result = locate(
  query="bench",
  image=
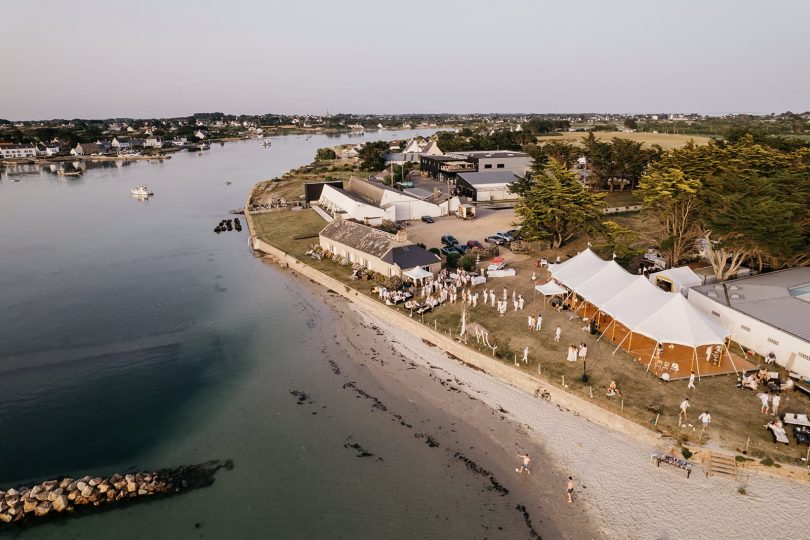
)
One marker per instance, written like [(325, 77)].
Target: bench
[(672, 460), (779, 434)]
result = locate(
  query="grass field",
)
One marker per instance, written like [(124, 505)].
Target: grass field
[(291, 184), (664, 140)]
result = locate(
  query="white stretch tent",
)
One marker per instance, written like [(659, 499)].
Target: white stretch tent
[(550, 289), (417, 273), (680, 279), (636, 303)]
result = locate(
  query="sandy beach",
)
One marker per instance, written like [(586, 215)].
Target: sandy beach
[(619, 493)]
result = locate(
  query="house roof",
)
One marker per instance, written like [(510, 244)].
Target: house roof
[(410, 256), (478, 154), (89, 148), (361, 237), (488, 178), (780, 299)]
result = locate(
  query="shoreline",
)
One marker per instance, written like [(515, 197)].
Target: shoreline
[(640, 483), (618, 487)]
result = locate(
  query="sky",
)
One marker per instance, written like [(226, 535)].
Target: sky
[(150, 58)]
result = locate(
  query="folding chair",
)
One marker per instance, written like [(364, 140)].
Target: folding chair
[(674, 367)]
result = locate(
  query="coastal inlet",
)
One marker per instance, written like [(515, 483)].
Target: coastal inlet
[(228, 225), (59, 498)]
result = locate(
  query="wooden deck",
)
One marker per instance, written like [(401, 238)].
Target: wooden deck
[(676, 360)]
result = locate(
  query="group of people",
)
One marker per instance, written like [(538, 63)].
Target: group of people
[(705, 418), (523, 466), (577, 351)]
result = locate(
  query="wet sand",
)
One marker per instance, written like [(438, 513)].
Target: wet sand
[(619, 493), (475, 440)]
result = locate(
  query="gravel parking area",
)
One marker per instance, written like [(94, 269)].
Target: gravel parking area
[(488, 222)]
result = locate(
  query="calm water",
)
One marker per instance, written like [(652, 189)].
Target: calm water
[(132, 336)]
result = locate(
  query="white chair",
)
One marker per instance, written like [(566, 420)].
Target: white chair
[(543, 263), (674, 367)]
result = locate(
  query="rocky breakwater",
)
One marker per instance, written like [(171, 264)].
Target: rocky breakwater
[(69, 496)]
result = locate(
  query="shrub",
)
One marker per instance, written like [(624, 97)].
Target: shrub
[(768, 462), (686, 453), (452, 260), (435, 251), (741, 490), (467, 262), (421, 245)]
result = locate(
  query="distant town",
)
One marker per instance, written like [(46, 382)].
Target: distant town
[(125, 136)]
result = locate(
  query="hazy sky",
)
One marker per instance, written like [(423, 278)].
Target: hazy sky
[(146, 58)]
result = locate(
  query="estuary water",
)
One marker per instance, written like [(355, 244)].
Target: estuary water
[(132, 337)]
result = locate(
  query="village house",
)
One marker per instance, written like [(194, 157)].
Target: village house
[(86, 149), (179, 141), (486, 186), (121, 144), (379, 251), (11, 150), (201, 134), (768, 313), (153, 142)]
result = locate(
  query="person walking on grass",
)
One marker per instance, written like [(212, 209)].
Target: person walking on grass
[(706, 419), (557, 334), (569, 490), (764, 397), (525, 460), (531, 323), (775, 404), (691, 384), (526, 355), (683, 408), (539, 324)]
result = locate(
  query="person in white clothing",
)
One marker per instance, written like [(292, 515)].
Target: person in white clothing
[(520, 302), (557, 334), (775, 404), (683, 408), (531, 323), (539, 322), (583, 351), (706, 418), (691, 384), (526, 355), (764, 398)]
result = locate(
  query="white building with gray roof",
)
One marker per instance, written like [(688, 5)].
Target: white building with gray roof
[(768, 313)]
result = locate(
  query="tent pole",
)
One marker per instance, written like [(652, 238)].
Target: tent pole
[(730, 359), (697, 362), (601, 334), (655, 348), (622, 341), (630, 343)]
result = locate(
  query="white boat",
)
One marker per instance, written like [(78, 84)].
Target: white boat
[(141, 191), (267, 143)]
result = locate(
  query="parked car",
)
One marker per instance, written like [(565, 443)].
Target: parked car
[(462, 248), (475, 244), (495, 239), (656, 258), (506, 235), (447, 250), (449, 240), (427, 219)]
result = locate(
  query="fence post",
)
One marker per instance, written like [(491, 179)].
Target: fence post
[(590, 391), (622, 404), (563, 381)]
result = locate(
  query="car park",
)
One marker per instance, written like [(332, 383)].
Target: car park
[(495, 239), (447, 250), (449, 240), (462, 248), (475, 244), (427, 219)]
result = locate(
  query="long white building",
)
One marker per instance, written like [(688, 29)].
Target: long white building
[(769, 313)]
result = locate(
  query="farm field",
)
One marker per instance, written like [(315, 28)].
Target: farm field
[(665, 140)]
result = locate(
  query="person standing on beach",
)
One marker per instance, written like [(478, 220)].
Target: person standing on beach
[(557, 334), (691, 384), (683, 408), (569, 490), (525, 460)]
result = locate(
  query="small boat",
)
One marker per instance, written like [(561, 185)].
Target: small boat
[(63, 172), (141, 191), (267, 143), (227, 182)]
